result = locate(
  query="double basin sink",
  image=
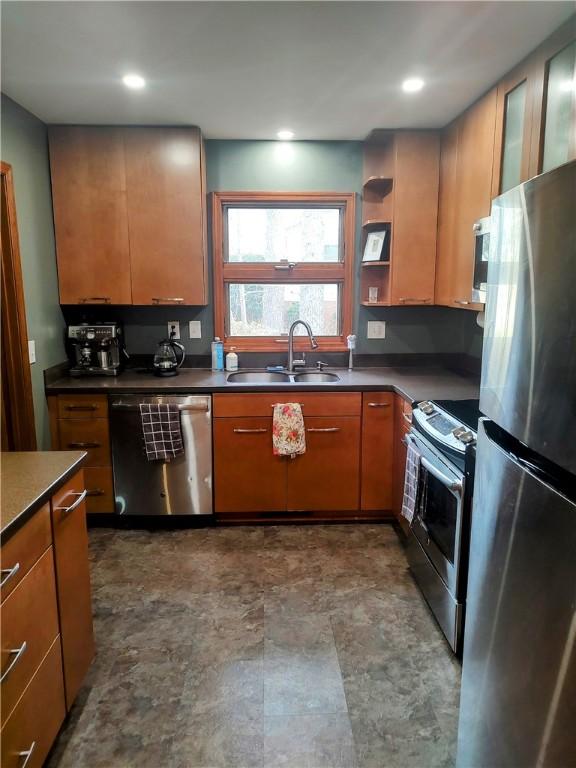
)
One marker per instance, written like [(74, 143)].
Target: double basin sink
[(279, 377)]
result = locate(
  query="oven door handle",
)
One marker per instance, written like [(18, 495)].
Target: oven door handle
[(453, 485)]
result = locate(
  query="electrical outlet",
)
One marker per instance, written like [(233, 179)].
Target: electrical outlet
[(31, 351), (173, 329), (375, 329), (195, 329)]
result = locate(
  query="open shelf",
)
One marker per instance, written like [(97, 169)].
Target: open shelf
[(379, 185), (375, 303), (376, 223)]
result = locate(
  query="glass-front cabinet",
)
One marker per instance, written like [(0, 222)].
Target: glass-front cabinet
[(513, 142), (559, 142)]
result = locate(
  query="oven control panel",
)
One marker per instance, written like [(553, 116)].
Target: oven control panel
[(443, 426)]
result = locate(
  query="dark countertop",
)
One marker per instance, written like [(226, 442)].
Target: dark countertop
[(413, 383), (29, 480)]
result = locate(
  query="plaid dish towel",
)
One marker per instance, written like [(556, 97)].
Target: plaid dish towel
[(161, 430), (411, 476), (288, 436)]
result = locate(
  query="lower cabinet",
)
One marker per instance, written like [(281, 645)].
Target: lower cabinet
[(377, 451), (73, 583), (250, 480)]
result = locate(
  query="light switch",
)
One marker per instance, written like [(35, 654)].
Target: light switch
[(375, 329), (195, 329), (31, 351)]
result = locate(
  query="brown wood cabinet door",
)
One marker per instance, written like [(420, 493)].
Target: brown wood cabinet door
[(414, 225), (73, 584), (247, 476), (90, 217), (166, 215), (377, 450), (326, 477), (473, 191), (90, 435), (444, 291)]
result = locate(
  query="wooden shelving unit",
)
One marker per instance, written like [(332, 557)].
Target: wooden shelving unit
[(376, 216)]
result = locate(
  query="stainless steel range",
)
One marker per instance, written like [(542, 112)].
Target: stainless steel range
[(444, 433)]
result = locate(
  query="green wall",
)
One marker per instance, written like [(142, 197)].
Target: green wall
[(24, 144)]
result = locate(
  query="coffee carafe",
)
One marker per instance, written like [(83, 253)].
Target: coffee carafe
[(168, 358)]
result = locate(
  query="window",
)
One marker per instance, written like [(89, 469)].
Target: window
[(279, 258)]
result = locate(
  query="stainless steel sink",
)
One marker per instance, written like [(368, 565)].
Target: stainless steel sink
[(258, 377), (316, 376)]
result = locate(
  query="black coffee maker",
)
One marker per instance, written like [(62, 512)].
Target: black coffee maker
[(169, 357)]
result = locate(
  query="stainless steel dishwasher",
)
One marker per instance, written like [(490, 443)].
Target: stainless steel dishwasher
[(181, 486)]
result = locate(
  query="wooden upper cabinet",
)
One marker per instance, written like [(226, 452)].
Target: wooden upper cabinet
[(515, 96), (90, 217), (413, 259), (129, 214), (164, 169), (466, 166)]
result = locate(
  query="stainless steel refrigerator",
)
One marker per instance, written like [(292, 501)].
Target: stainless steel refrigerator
[(518, 701)]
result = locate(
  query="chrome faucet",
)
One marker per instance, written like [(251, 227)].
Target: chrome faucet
[(292, 364)]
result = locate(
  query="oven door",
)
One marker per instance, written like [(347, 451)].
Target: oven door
[(437, 522)]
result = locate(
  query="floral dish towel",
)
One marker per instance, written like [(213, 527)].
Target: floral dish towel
[(288, 436)]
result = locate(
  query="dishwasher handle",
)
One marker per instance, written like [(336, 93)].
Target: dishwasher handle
[(203, 407)]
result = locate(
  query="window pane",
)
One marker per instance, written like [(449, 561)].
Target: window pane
[(560, 95), (258, 309), (274, 234), (513, 137)]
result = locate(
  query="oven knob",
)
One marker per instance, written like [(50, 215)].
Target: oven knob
[(467, 437), (458, 432), (426, 407)]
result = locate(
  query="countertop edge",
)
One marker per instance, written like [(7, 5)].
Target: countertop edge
[(17, 522)]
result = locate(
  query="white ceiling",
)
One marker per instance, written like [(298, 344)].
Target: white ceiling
[(327, 70)]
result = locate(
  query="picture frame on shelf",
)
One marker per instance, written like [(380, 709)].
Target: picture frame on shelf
[(374, 247)]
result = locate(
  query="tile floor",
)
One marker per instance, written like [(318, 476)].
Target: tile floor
[(295, 646)]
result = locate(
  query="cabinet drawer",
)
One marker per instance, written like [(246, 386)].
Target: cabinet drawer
[(82, 406), (23, 549), (99, 489), (90, 435), (313, 403), (29, 619), (36, 720)]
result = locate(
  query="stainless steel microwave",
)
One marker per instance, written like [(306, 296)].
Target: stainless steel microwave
[(481, 249)]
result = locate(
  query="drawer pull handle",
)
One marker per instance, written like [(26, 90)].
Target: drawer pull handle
[(72, 507), (81, 407), (27, 754), (17, 654), (160, 299), (323, 429), (9, 573), (84, 445), (94, 492), (461, 301), (407, 419), (90, 299), (285, 267), (248, 431), (379, 405), (408, 299)]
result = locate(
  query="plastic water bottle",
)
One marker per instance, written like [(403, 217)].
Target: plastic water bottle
[(217, 354)]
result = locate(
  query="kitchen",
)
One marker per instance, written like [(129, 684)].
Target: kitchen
[(286, 467)]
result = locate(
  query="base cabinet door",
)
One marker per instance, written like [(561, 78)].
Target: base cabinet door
[(248, 477), (377, 451), (73, 583), (327, 476)]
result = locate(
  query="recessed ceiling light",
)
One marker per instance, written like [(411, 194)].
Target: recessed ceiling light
[(285, 135), (134, 81), (412, 85)]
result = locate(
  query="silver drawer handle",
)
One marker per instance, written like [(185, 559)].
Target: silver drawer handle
[(379, 405), (90, 299), (160, 299), (17, 653), (72, 507), (9, 573), (81, 407), (80, 444), (285, 267), (323, 429), (461, 301), (424, 301), (27, 754), (249, 431), (407, 419), (94, 492)]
